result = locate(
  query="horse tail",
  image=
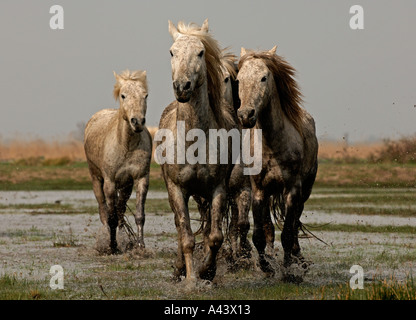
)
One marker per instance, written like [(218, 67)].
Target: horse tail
[(277, 209), (278, 212), (227, 218)]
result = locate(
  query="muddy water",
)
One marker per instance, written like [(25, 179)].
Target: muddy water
[(64, 197), (86, 197), (28, 242)]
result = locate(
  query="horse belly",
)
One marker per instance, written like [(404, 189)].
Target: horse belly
[(197, 178)]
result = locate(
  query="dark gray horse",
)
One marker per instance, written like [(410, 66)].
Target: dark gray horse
[(270, 100)]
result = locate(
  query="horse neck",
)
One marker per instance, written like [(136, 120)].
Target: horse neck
[(271, 119), (125, 135), (233, 113), (195, 112)]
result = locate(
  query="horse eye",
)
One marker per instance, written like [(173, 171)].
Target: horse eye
[(171, 53), (123, 96), (226, 79), (146, 96), (264, 79), (201, 54)]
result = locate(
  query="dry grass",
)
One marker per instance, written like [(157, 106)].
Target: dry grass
[(329, 150), (38, 151), (400, 151), (33, 150), (56, 152)]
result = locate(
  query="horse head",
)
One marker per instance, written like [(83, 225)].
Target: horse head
[(255, 81), (131, 90)]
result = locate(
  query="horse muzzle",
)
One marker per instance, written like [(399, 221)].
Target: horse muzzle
[(247, 117), (183, 90), (137, 124)]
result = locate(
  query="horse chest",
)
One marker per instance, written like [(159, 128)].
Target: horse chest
[(133, 166)]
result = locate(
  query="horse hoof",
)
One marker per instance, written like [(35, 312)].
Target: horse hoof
[(266, 267), (291, 278), (115, 251), (208, 274), (178, 274)]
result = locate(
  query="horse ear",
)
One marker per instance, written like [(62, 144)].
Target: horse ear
[(205, 26), (173, 31), (243, 52), (273, 50), (116, 76)]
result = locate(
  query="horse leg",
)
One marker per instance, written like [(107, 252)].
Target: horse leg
[(296, 247), (186, 239), (288, 236), (97, 187), (214, 239), (142, 186), (123, 196), (259, 237), (233, 229), (180, 269), (112, 218), (243, 201), (268, 227)]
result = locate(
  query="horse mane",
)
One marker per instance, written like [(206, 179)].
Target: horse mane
[(213, 63), (229, 62), (287, 87), (128, 75)]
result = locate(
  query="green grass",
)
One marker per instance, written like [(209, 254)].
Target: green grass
[(65, 240), (14, 288), (376, 198), (361, 228), (35, 206), (398, 212), (364, 201), (365, 174), (46, 184), (25, 235), (57, 176), (63, 175), (378, 289)]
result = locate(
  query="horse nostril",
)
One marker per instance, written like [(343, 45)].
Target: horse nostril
[(133, 121), (187, 85), (143, 121), (175, 85), (251, 113)]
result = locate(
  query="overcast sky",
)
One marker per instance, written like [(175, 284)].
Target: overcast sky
[(360, 82)]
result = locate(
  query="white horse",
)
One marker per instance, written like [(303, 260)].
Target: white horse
[(118, 148), (196, 75)]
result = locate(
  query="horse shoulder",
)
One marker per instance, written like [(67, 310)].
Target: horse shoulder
[(168, 115), (97, 132)]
